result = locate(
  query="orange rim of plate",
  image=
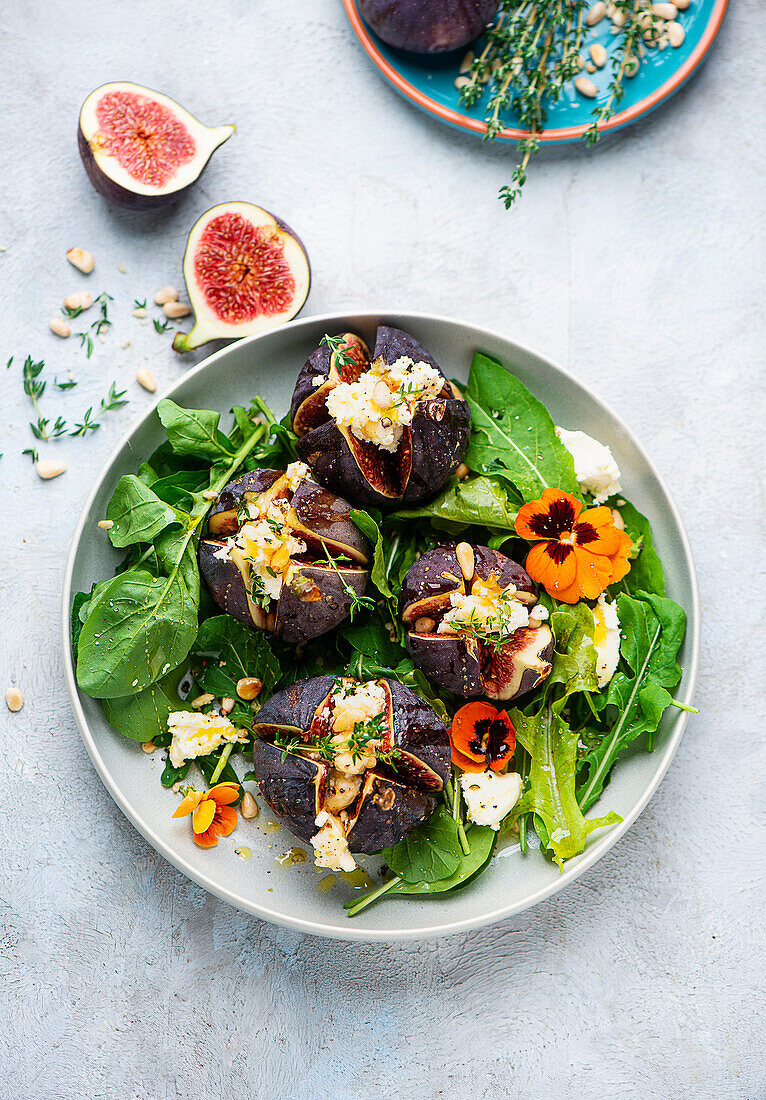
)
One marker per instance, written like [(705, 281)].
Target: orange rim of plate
[(447, 114)]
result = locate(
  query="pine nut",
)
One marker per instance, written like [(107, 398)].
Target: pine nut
[(590, 67), (148, 746), (209, 494), (140, 312), (47, 468), (248, 807), (381, 395), (461, 473), (462, 82), (619, 18), (202, 701), (465, 559), (81, 259), (467, 62), (665, 11), (106, 524), (80, 300), (174, 310), (59, 326), (596, 13), (598, 55), (145, 378), (167, 294), (682, 5), (676, 34), (14, 699), (617, 519), (586, 87), (227, 705), (424, 625), (249, 687)]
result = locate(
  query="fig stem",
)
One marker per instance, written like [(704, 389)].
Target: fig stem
[(221, 763), (354, 907)]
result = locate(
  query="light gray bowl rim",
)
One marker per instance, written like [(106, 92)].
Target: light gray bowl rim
[(355, 932)]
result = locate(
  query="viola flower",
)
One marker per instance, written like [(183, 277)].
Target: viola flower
[(482, 737), (577, 555), (212, 813)]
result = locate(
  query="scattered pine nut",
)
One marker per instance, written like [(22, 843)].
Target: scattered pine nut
[(140, 312), (202, 701), (106, 524), (174, 310), (80, 300), (249, 687), (682, 5), (466, 63), (598, 55), (596, 13), (209, 494), (125, 344), (148, 746), (466, 559), (676, 34), (462, 82), (665, 11), (248, 807), (227, 705), (381, 395), (47, 468), (631, 66), (424, 625), (619, 18), (167, 294), (146, 379), (81, 259), (462, 472), (121, 268), (14, 699), (586, 87), (59, 326), (590, 67)]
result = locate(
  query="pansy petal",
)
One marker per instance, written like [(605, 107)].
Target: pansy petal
[(225, 821), (208, 839), (594, 573), (203, 815), (224, 793), (189, 803), (546, 518)]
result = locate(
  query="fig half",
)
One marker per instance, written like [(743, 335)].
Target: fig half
[(282, 554), (368, 756), (382, 455), (428, 26), (246, 271), (140, 148), (471, 623)]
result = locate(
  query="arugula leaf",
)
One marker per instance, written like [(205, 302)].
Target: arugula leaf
[(431, 851), (513, 433), (646, 572), (574, 654), (552, 747), (482, 500), (652, 630), (194, 431), (137, 512), (144, 716)]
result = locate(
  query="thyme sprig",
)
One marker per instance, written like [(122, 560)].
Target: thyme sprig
[(112, 401), (358, 603), (343, 356)]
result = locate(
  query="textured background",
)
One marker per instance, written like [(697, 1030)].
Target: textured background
[(640, 266)]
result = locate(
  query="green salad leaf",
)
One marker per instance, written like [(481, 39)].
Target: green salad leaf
[(646, 572), (369, 526), (481, 500), (429, 852), (194, 431), (144, 716), (224, 652), (574, 655), (137, 513), (513, 434), (481, 841)]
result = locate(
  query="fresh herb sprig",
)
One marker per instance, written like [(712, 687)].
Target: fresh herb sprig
[(90, 421), (343, 356)]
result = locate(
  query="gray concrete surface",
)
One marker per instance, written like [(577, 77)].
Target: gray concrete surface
[(640, 266)]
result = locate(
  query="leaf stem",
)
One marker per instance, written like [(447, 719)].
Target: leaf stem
[(354, 907), (683, 706), (222, 760)]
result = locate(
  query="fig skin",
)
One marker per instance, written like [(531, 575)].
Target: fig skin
[(430, 451), (428, 26), (392, 800), (119, 195), (462, 664), (308, 398), (315, 600)]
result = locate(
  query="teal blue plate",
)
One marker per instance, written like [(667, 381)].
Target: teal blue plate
[(429, 82)]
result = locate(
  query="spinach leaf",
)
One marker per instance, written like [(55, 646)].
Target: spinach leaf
[(81, 600), (194, 431), (137, 512), (372, 639), (482, 841), (482, 500), (369, 526), (239, 652), (144, 716), (646, 572), (552, 748), (431, 851), (652, 630), (513, 434)]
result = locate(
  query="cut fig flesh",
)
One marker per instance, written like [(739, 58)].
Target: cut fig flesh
[(245, 271), (140, 148)]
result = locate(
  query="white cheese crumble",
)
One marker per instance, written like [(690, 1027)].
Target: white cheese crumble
[(330, 844), (606, 639), (199, 734), (490, 796), (362, 704), (378, 414), (295, 473), (596, 470), (538, 614), (489, 608), (318, 380)]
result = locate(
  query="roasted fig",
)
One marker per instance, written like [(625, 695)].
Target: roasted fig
[(282, 554), (383, 433), (428, 26), (349, 766), (473, 622), (245, 271), (140, 148)]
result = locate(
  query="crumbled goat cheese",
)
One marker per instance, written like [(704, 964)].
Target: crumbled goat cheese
[(318, 380), (490, 796), (488, 607), (353, 404), (538, 614), (267, 546), (295, 473), (596, 470), (199, 734), (363, 704), (606, 639), (330, 844)]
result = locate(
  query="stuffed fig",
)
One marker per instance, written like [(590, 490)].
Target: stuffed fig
[(282, 554), (384, 430), (473, 622), (349, 766)]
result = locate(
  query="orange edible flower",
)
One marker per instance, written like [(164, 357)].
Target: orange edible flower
[(481, 737), (212, 813), (577, 555)]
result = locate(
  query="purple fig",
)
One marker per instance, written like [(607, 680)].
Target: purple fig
[(428, 26)]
